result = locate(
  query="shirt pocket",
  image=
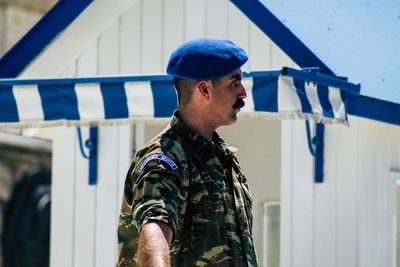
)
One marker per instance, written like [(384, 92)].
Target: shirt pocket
[(206, 202)]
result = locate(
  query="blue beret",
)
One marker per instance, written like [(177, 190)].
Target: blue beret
[(206, 59)]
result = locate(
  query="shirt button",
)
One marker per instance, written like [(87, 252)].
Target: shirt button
[(149, 213)]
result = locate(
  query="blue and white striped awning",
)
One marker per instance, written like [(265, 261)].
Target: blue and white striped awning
[(286, 94)]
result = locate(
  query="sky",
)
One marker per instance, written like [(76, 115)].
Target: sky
[(358, 39)]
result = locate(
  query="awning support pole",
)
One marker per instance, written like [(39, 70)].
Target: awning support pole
[(318, 152), (91, 144)]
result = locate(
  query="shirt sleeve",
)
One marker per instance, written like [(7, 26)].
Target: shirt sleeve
[(157, 194)]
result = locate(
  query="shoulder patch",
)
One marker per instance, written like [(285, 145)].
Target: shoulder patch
[(161, 157)]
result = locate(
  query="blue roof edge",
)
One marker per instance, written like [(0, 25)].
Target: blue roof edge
[(280, 34), (358, 105), (372, 108), (63, 13)]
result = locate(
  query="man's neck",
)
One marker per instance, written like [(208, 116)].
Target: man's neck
[(196, 120)]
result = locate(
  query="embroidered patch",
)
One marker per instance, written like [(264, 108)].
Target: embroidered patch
[(161, 157)]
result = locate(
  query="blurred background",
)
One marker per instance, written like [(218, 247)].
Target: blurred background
[(25, 160)]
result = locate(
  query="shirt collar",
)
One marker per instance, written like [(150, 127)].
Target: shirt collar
[(199, 143)]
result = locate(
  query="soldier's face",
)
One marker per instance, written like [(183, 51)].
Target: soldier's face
[(228, 98)]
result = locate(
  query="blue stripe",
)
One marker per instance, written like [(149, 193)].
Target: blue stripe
[(34, 42), (165, 98), (8, 105), (257, 12), (265, 94), (51, 105), (323, 96), (69, 102), (301, 92), (115, 101)]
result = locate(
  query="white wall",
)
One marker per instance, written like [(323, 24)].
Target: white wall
[(345, 220), (379, 154), (84, 216)]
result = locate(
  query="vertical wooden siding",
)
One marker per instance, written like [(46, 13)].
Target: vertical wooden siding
[(344, 221), (379, 154)]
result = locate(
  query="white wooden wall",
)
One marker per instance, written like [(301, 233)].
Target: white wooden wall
[(379, 154), (84, 217), (141, 40), (344, 221)]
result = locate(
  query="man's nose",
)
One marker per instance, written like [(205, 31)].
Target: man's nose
[(242, 92)]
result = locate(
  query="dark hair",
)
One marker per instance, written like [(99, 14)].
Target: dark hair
[(185, 88)]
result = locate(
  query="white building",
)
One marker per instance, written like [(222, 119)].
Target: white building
[(347, 220)]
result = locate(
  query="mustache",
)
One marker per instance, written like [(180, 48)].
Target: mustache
[(239, 103)]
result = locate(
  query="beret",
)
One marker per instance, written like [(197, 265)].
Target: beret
[(206, 59)]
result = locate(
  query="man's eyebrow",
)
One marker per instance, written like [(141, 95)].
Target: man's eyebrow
[(236, 77)]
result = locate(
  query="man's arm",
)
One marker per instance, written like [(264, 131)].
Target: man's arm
[(154, 243)]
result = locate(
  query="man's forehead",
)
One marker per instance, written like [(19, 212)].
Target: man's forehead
[(234, 75)]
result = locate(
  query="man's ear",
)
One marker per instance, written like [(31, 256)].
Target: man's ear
[(203, 88)]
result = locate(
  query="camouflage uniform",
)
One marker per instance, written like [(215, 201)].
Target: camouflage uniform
[(196, 187)]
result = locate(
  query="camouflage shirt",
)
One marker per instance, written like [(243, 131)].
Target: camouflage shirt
[(196, 187)]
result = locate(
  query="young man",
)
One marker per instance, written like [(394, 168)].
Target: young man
[(186, 202)]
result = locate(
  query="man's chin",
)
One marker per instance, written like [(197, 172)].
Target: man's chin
[(233, 119)]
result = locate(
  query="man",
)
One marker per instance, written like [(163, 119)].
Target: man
[(186, 202)]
